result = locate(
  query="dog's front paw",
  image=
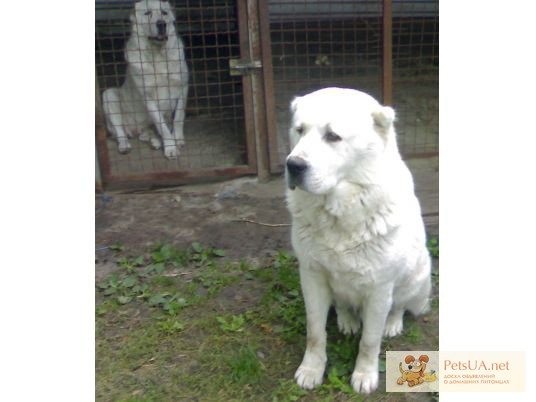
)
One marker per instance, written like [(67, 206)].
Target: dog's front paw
[(170, 151), (155, 143), (124, 146), (309, 377), (365, 383)]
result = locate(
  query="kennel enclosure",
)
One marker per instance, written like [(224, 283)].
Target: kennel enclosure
[(248, 58)]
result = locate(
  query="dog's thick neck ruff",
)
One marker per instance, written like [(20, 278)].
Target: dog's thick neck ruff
[(350, 204), (371, 176), (366, 208)]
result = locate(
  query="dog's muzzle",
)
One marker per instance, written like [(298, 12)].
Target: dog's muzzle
[(161, 27), (296, 168)]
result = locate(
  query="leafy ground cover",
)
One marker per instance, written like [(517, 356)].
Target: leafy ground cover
[(195, 325)]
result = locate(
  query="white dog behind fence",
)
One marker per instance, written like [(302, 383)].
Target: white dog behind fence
[(156, 86)]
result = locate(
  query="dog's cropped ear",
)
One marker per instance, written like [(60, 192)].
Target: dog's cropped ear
[(294, 104), (409, 359), (383, 118), (424, 358)]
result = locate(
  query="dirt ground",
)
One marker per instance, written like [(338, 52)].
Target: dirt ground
[(218, 214), (136, 361), (209, 214)]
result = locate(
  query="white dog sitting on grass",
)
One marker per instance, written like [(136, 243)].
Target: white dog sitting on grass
[(357, 228)]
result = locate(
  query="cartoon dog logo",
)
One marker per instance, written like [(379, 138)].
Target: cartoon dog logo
[(415, 373)]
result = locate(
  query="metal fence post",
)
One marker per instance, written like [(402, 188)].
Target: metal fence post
[(387, 81)]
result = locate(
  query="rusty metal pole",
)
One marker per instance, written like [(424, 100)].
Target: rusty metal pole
[(257, 85), (276, 165), (387, 82), (101, 156)]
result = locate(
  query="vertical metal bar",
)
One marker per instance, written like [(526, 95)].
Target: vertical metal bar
[(387, 52), (98, 114), (268, 79), (263, 163), (101, 147), (246, 84), (98, 177)]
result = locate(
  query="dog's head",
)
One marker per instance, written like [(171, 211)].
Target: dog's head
[(416, 365), (154, 20), (336, 135)]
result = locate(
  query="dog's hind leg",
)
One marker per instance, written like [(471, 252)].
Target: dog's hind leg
[(347, 320), (395, 322), (420, 302), (148, 135), (111, 103)]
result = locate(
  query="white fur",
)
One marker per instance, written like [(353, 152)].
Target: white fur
[(356, 228), (156, 84)]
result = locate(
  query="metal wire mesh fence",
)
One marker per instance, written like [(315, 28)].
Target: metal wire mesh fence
[(162, 67), (189, 98), (317, 43), (416, 75)]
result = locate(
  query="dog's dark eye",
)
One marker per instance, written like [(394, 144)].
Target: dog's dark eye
[(300, 130), (148, 13), (332, 137)]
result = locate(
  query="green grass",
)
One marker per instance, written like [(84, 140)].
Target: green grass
[(172, 326), (245, 366), (433, 246), (283, 300), (234, 323), (413, 333)]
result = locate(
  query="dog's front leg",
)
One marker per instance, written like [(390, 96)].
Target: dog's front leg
[(111, 102), (157, 118), (179, 115), (317, 298), (375, 311)]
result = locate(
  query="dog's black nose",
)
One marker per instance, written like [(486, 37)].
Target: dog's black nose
[(296, 165), (161, 26)]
